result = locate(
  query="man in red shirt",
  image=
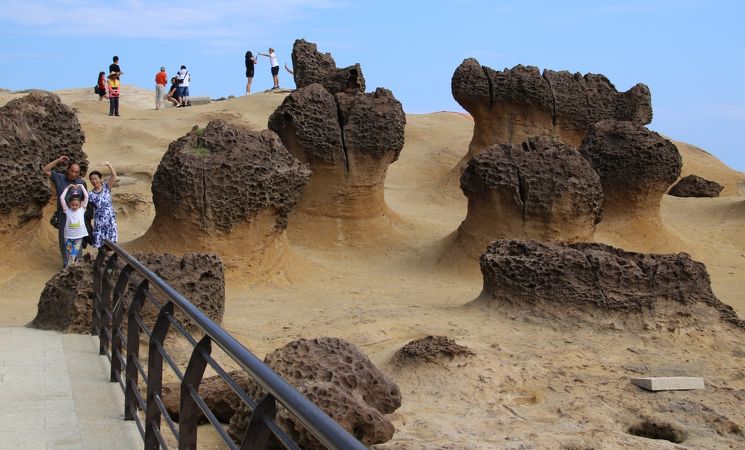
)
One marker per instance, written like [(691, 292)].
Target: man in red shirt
[(161, 79)]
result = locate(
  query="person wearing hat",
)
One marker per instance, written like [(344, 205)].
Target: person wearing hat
[(161, 79), (112, 87)]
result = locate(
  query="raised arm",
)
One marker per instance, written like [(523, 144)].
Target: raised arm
[(113, 180), (263, 54), (62, 198), (48, 168), (85, 195)]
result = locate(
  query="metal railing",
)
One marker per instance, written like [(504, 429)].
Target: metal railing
[(110, 305)]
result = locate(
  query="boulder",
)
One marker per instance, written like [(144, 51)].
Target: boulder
[(341, 380), (224, 189), (562, 280), (219, 397), (695, 186), (636, 166), (511, 105), (35, 130), (541, 189), (430, 349), (310, 66), (66, 302)]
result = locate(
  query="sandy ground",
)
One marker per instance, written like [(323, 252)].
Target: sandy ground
[(533, 383)]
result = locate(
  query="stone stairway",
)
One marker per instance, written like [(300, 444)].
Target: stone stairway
[(55, 394)]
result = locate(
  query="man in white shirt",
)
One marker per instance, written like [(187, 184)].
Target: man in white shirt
[(274, 62), (184, 78)]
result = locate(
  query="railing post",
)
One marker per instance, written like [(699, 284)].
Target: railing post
[(257, 433), (104, 304), (155, 376), (133, 350), (188, 410), (118, 316), (97, 271)]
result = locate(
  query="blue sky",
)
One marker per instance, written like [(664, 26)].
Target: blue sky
[(689, 52)]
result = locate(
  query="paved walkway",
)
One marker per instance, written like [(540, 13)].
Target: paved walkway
[(55, 394)]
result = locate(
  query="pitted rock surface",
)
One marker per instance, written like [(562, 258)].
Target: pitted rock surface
[(199, 277), (542, 189), (66, 303), (338, 378), (510, 105), (310, 66), (220, 398), (636, 165), (218, 177), (695, 186), (430, 348), (35, 130), (586, 277)]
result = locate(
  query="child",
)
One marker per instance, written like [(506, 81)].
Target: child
[(113, 89), (75, 229), (102, 86)]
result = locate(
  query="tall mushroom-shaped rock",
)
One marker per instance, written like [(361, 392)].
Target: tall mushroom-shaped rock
[(636, 167), (227, 190), (541, 189), (511, 105), (582, 280), (34, 130), (346, 136), (311, 66), (337, 377)]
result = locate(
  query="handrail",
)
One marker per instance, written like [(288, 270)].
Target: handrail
[(317, 422)]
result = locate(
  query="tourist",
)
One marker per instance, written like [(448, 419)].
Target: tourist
[(75, 229), (61, 182), (184, 78), (114, 68), (172, 95), (250, 62), (113, 90), (275, 66), (104, 219), (102, 86), (161, 79)]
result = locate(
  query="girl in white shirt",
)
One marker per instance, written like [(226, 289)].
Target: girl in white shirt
[(75, 229)]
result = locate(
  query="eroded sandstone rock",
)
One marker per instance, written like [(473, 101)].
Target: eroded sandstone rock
[(35, 130), (66, 303), (595, 278), (225, 190), (310, 66), (349, 140), (338, 378), (511, 105), (695, 186), (430, 348), (220, 398), (541, 189), (636, 166)]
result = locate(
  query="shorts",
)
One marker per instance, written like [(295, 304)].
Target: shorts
[(182, 91), (275, 70), (249, 73)]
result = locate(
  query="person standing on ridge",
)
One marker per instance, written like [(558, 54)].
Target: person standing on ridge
[(113, 90), (275, 66), (161, 79), (184, 78), (250, 62), (114, 67)]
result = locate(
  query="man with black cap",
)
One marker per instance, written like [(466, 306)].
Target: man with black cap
[(61, 181)]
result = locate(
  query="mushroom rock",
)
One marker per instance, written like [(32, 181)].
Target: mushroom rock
[(337, 377), (695, 186), (541, 189), (511, 105), (348, 140), (226, 190), (596, 281), (35, 130), (636, 167), (310, 66)]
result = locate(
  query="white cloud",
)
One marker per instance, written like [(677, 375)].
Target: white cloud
[(218, 19)]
